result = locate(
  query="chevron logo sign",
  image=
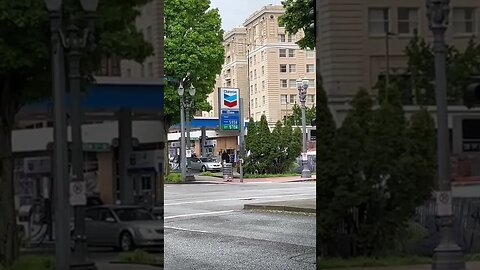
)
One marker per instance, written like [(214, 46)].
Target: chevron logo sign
[(230, 100)]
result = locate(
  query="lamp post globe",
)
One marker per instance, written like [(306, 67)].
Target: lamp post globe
[(53, 5), (89, 5), (192, 90)]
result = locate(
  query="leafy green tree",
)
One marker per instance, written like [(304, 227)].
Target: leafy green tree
[(25, 76), (193, 44), (340, 175), (295, 118), (299, 16), (417, 81), (326, 130), (286, 147)]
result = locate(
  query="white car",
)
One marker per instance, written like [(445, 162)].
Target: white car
[(205, 164)]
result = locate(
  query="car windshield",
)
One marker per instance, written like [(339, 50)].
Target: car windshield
[(133, 214), (207, 160)]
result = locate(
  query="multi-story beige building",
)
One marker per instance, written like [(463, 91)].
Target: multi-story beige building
[(149, 23), (353, 38), (267, 81)]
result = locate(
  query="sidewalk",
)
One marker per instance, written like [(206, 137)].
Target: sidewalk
[(470, 266), (299, 206), (219, 180)]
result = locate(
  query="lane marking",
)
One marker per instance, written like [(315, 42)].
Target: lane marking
[(201, 214), (240, 199), (186, 230)]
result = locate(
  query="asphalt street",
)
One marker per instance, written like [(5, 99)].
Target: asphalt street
[(206, 228)]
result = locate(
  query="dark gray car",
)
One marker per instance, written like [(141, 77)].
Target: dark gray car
[(122, 227)]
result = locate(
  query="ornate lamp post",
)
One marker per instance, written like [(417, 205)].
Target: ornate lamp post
[(302, 86), (183, 105), (188, 106), (447, 255), (74, 40)]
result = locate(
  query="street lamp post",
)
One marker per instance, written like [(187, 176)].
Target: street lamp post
[(447, 255), (188, 105), (183, 104), (60, 172), (75, 41), (302, 86)]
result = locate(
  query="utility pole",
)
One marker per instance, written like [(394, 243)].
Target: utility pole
[(242, 139)]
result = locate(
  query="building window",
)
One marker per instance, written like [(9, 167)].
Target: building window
[(283, 68), (283, 99), (255, 88), (251, 89), (150, 70), (407, 20), (263, 100), (283, 83), (282, 52), (281, 37), (292, 38), (256, 103), (255, 73), (129, 72), (464, 20), (310, 68), (378, 20), (251, 103), (110, 66), (251, 75), (311, 83), (311, 98), (142, 71), (310, 53), (263, 85), (293, 99), (149, 34), (292, 83), (263, 70), (292, 68), (291, 53)]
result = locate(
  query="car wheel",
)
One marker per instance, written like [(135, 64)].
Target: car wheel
[(126, 242), (204, 169)]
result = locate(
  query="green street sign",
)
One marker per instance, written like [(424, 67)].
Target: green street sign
[(96, 147)]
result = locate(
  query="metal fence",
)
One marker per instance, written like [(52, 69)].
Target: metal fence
[(466, 226)]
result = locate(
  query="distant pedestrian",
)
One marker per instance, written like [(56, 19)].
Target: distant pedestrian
[(225, 157)]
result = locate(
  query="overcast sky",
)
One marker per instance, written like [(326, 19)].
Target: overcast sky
[(235, 12)]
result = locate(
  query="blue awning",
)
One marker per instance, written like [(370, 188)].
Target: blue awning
[(106, 97)]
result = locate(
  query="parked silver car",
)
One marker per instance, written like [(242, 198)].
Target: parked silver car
[(122, 227), (205, 164)]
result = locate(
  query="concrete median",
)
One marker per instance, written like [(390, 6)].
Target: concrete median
[(299, 206)]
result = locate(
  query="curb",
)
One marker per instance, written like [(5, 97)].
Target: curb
[(137, 264), (278, 208), (193, 183)]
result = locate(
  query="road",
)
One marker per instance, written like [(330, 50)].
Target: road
[(206, 228)]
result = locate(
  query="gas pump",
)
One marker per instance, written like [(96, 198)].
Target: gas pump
[(33, 185), (144, 168)]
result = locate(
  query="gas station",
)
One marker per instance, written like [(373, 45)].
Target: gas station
[(122, 121)]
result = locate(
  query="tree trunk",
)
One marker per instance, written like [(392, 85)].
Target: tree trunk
[(9, 242)]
